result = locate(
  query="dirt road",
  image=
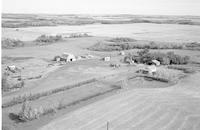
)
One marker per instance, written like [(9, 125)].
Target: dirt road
[(172, 108)]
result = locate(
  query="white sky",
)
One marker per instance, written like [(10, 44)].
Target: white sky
[(148, 7)]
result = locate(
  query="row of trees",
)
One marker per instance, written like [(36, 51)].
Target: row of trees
[(49, 39), (11, 43), (146, 57), (151, 45)]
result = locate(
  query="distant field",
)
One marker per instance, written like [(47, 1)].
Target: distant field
[(138, 31), (31, 20)]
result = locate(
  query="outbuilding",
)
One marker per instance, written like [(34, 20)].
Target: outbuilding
[(68, 57), (12, 68), (57, 58), (106, 58), (122, 53), (155, 62)]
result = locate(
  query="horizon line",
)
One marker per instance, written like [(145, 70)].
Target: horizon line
[(99, 14)]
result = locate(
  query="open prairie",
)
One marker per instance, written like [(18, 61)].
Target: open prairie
[(142, 31), (101, 86)]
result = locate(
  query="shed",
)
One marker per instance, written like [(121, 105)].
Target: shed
[(156, 62), (57, 58), (122, 53), (128, 60), (106, 58), (12, 68)]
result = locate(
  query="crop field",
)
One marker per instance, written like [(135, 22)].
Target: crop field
[(105, 85), (166, 108)]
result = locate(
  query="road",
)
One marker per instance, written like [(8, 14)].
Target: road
[(172, 108)]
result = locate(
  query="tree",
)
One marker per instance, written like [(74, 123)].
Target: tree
[(143, 52)]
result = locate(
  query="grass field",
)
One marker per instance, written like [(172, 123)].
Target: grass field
[(167, 108)]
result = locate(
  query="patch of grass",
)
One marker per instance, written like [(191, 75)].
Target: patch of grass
[(31, 97), (8, 43), (185, 69), (14, 59), (165, 75)]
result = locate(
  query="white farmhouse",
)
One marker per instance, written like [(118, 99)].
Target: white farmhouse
[(68, 57)]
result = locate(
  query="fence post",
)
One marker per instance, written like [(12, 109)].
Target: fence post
[(107, 125)]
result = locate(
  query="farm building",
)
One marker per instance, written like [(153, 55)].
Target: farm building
[(155, 62), (68, 57), (122, 53), (12, 68), (128, 60), (57, 58), (106, 58), (148, 70)]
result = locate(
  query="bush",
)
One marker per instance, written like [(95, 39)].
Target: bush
[(8, 84), (193, 45), (104, 46), (27, 113), (77, 35), (127, 59), (49, 110), (166, 74), (143, 52), (8, 43), (122, 39), (5, 83), (48, 39)]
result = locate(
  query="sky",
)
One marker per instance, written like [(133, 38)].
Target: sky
[(145, 7)]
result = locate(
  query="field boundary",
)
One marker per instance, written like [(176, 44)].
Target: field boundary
[(32, 97)]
